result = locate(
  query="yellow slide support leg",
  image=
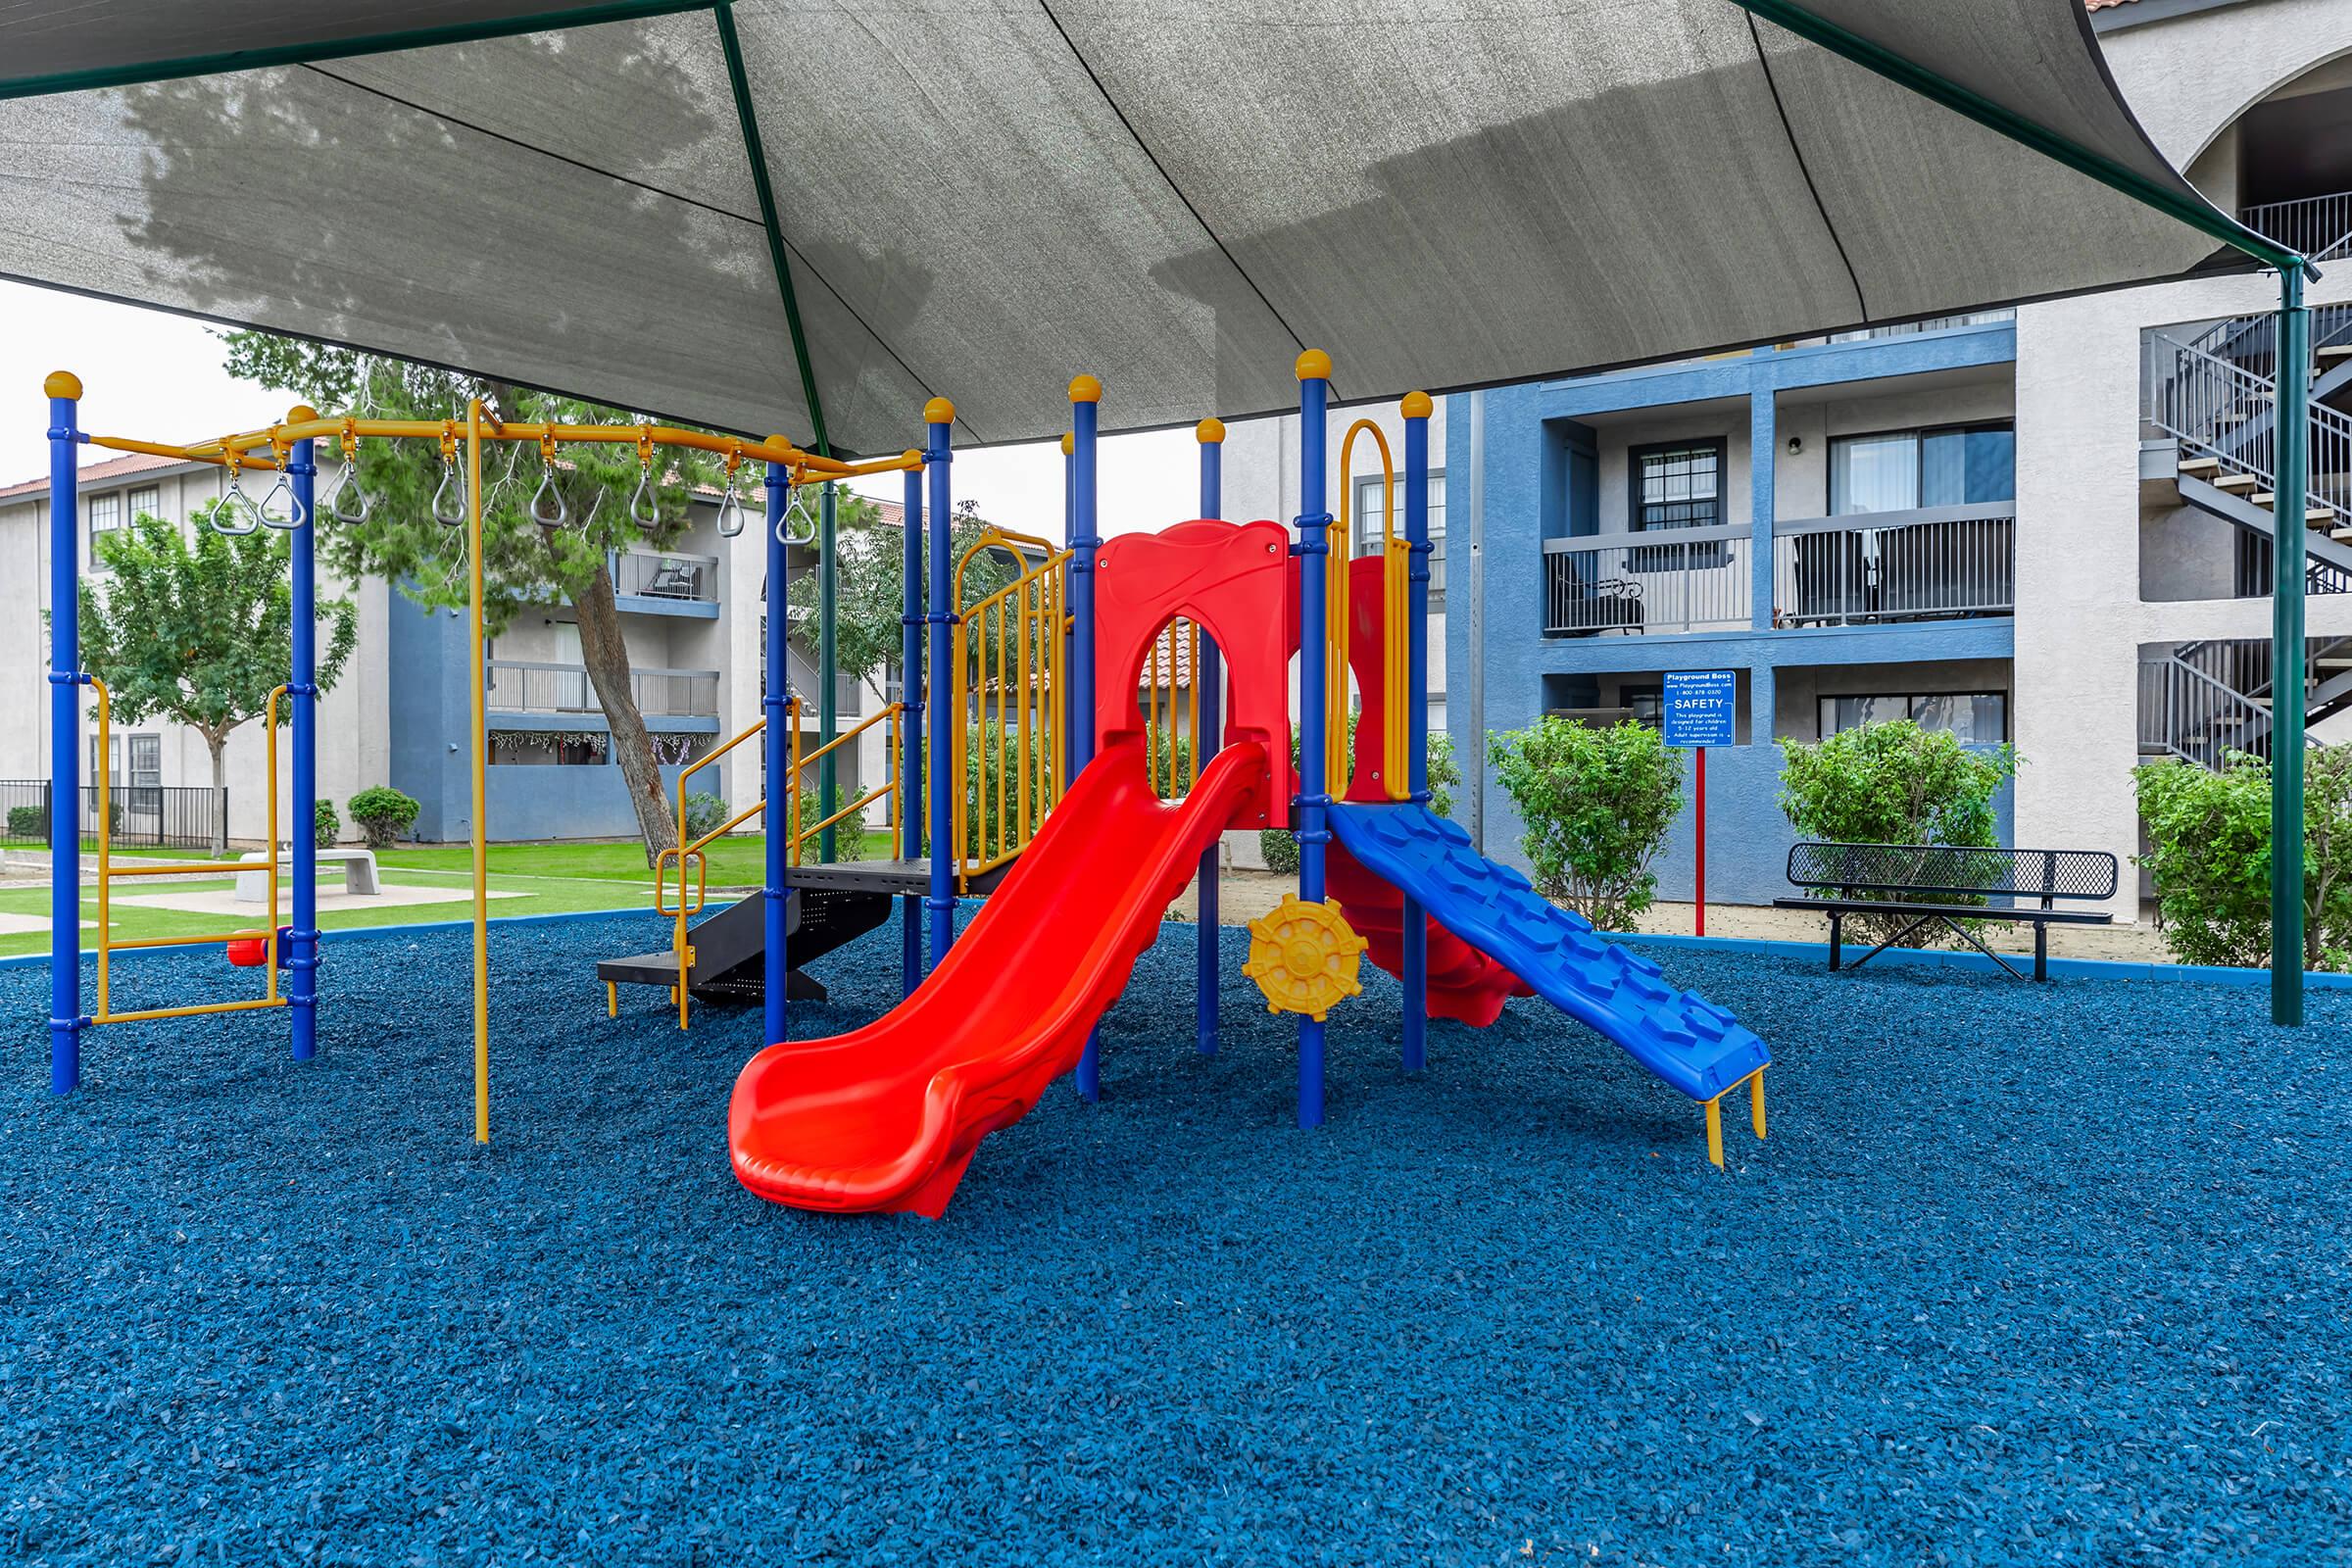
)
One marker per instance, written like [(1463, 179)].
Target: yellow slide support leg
[(1755, 1116), (611, 999)]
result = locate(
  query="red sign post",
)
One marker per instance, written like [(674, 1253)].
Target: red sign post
[(1701, 710)]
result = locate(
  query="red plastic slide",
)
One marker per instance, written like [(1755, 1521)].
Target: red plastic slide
[(887, 1118)]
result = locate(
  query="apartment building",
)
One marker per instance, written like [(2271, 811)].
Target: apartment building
[(2048, 527), (693, 617)]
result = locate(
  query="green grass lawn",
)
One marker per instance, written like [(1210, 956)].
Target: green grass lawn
[(545, 879)]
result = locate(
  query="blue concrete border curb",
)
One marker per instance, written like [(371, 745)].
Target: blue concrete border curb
[(1944, 958)]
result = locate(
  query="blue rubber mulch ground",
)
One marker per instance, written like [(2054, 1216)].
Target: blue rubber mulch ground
[(2032, 1275)]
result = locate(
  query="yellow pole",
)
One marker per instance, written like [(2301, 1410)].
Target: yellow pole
[(481, 780)]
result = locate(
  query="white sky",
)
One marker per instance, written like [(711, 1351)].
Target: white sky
[(158, 376)]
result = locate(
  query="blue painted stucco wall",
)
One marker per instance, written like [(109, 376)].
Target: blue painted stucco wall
[(1534, 440), (430, 713)]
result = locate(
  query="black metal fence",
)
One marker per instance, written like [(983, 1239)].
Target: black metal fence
[(144, 815)]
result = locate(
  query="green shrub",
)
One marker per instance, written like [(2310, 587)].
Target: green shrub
[(2209, 856), (1894, 783), (704, 813), (383, 815), (1595, 805), (325, 825), (28, 825)]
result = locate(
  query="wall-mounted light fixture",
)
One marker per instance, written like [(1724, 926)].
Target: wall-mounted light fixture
[(1796, 444)]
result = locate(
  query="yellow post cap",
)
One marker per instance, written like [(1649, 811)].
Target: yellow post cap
[(1418, 405), (938, 410), (1314, 366), (1086, 389), (302, 414), (61, 385), (1069, 443), (1211, 430), (913, 455), (777, 441)]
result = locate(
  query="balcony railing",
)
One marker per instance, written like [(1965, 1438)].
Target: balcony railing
[(519, 686), (2320, 227), (1921, 565), (1934, 323), (1660, 580), (648, 575)]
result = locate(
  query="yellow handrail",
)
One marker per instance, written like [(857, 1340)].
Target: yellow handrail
[(888, 787), (691, 850), (108, 871), (1337, 610), (1011, 635)]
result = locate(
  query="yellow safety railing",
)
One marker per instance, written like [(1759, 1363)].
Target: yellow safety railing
[(1395, 777), (691, 851), (108, 871), (1172, 729), (1008, 659), (888, 789)]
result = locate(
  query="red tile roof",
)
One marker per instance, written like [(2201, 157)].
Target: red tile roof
[(94, 473)]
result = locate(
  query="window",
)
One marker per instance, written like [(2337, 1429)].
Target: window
[(1897, 470), (106, 516), (146, 500), (113, 766), (146, 761), (1677, 487), (1977, 718), (1371, 520)]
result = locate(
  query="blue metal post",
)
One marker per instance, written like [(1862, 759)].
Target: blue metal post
[(775, 754), (302, 688), (1309, 807), (1212, 738), (911, 725), (64, 390), (1411, 708), (940, 415), (1086, 397)]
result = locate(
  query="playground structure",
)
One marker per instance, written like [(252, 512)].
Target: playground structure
[(292, 506), (1075, 806), (889, 1116)]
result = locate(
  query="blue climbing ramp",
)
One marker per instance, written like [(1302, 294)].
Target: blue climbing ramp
[(1688, 1041)]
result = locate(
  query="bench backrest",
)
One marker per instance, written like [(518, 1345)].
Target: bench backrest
[(1954, 870)]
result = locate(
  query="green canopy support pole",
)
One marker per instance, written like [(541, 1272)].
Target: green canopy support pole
[(828, 663), (2287, 527)]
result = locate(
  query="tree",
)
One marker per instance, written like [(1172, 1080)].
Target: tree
[(868, 596), (1595, 805), (201, 632), (1894, 783), (525, 562)]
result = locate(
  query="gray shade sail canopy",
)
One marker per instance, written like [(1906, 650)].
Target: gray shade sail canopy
[(981, 198)]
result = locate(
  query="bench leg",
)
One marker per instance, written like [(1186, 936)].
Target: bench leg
[(1835, 919)]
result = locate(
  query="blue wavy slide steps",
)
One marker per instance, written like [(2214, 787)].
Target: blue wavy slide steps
[(1689, 1042)]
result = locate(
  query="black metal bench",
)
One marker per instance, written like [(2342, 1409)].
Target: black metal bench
[(1863, 879)]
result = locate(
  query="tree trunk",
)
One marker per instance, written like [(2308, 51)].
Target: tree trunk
[(217, 745), (607, 654)]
